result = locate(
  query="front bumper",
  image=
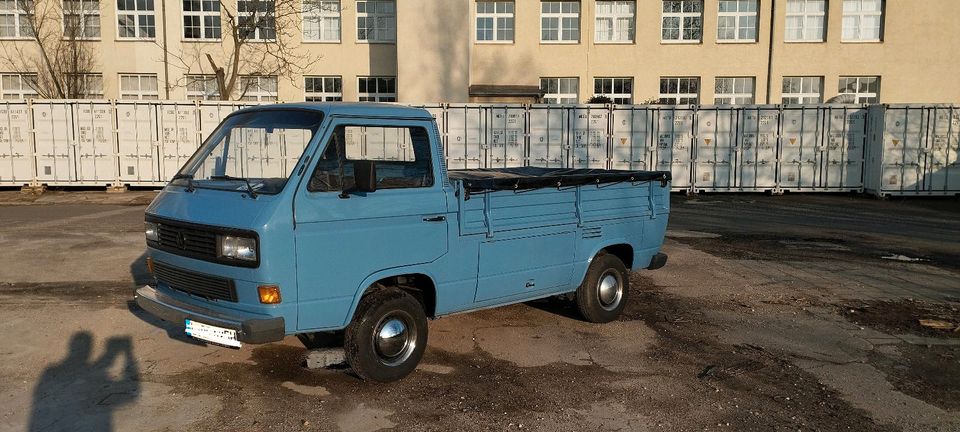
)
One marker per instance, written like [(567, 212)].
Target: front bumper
[(253, 331)]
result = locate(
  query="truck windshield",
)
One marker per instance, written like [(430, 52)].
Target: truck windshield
[(253, 152)]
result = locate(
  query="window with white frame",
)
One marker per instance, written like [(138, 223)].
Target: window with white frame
[(136, 19), (559, 21), (679, 90), (321, 20), (377, 21), (202, 87), (81, 19), (862, 20), (15, 19), (377, 89), (201, 19), (619, 90), (865, 89), (18, 86), (560, 90), (802, 90), (256, 20), (258, 88), (495, 21), (615, 21), (806, 20), (734, 91), (737, 21), (682, 21), (139, 86), (322, 88), (86, 85)]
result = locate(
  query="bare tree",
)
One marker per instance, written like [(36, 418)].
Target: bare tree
[(259, 38), (55, 51)]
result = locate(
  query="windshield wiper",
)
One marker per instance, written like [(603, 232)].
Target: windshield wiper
[(188, 177), (253, 193)]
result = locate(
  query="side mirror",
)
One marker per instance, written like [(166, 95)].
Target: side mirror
[(365, 175)]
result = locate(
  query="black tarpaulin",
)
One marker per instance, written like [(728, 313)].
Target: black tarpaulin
[(486, 179)]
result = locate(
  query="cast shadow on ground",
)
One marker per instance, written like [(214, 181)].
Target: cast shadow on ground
[(81, 393)]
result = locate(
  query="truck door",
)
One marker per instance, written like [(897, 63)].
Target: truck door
[(342, 237)]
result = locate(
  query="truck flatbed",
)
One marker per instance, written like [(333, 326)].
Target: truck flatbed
[(525, 178)]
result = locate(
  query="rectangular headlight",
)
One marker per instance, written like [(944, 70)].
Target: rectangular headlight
[(151, 231), (239, 248)]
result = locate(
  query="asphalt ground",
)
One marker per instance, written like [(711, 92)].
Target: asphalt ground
[(774, 313)]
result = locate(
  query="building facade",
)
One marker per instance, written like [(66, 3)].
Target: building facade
[(429, 51)]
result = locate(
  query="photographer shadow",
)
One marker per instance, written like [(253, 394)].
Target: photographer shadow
[(81, 393)]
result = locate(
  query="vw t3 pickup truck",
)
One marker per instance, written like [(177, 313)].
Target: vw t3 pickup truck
[(342, 219)]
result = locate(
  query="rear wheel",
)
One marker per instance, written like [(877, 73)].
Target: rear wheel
[(387, 337), (603, 294)]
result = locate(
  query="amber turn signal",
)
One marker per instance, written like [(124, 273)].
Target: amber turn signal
[(150, 265), (269, 294)]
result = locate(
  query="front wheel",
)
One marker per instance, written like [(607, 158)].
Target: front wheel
[(387, 337), (603, 294)]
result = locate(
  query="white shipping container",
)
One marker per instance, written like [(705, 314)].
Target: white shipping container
[(179, 135), (674, 151), (138, 143), (54, 143), (758, 130), (16, 145), (842, 160), (506, 136), (548, 136), (96, 144), (913, 150), (466, 131), (800, 148), (633, 139), (716, 149), (589, 133)]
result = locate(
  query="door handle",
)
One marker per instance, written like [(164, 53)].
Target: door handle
[(440, 218)]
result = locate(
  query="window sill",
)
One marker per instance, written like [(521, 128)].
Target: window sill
[(614, 43), (83, 39), (804, 41), (485, 42), (327, 42), (735, 42), (201, 40), (861, 41), (17, 38), (543, 42), (681, 42), (120, 39)]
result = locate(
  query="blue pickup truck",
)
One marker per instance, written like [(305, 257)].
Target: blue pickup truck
[(319, 219)]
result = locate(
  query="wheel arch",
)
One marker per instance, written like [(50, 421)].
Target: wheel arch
[(418, 284)]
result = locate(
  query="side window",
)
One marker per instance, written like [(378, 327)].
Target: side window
[(402, 156)]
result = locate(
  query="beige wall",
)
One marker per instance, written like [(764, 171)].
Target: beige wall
[(436, 57), (433, 46)]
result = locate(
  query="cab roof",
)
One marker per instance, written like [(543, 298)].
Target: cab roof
[(349, 109)]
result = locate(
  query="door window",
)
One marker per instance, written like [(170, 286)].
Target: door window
[(402, 156)]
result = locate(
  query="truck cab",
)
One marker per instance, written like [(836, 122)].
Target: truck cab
[(304, 219)]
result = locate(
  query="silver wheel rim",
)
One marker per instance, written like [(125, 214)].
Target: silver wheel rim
[(394, 338), (609, 290)]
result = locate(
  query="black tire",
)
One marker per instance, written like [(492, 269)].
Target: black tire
[(595, 302), (372, 358)]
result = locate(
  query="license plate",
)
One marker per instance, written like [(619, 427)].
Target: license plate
[(209, 333)]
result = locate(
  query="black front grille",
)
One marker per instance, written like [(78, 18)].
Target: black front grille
[(198, 284), (198, 241), (190, 240)]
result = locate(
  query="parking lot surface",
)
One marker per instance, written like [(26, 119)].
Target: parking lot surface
[(773, 313)]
